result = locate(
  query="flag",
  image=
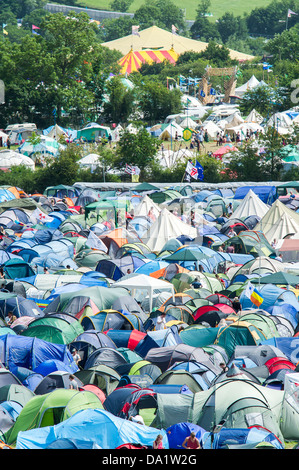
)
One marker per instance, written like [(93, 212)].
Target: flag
[(253, 294), (199, 171), (290, 13), (135, 30), (40, 216), (132, 170), (174, 29), (212, 91), (202, 93), (191, 170), (94, 242), (3, 27), (34, 29)]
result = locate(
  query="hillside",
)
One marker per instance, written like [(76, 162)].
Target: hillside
[(218, 7)]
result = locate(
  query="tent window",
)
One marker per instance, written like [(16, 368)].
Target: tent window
[(254, 419)]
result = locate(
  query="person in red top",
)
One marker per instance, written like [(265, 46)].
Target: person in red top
[(191, 442)]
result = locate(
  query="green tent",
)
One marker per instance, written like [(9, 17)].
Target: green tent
[(278, 278), (14, 392), (17, 268), (54, 329), (50, 409), (198, 336), (167, 195), (102, 376), (145, 187), (239, 333)]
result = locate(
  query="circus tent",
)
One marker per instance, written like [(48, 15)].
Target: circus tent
[(132, 61)]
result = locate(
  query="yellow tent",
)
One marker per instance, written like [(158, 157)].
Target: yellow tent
[(132, 61), (155, 38)]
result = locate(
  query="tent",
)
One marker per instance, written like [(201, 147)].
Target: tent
[(278, 222), (142, 282), (252, 83), (250, 205), (52, 408), (132, 61), (166, 227), (104, 431), (157, 38), (10, 158), (45, 146)]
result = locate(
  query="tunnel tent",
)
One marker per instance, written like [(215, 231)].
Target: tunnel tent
[(50, 409), (53, 329)]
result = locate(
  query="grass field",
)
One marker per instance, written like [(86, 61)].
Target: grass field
[(218, 7)]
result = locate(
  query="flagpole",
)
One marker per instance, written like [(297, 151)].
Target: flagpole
[(287, 20)]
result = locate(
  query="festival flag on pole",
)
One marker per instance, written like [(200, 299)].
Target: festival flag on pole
[(3, 27), (174, 29), (132, 170), (34, 28), (191, 170), (253, 294), (290, 13), (135, 30), (199, 171)]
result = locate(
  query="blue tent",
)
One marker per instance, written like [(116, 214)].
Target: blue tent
[(89, 429), (267, 194), (178, 432), (289, 346), (273, 296), (241, 436), (23, 351)]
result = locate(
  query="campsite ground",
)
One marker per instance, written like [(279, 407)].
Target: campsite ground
[(218, 7)]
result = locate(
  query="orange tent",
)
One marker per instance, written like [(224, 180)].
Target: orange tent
[(132, 61)]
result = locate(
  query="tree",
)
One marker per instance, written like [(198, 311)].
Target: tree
[(162, 13), (120, 5), (284, 46), (264, 99), (157, 102), (202, 28), (217, 54), (120, 101), (137, 149), (229, 25)]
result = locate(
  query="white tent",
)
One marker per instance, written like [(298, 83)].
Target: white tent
[(56, 132), (90, 161), (231, 121), (212, 129), (166, 227), (4, 136), (188, 122), (278, 222), (141, 282), (9, 158), (250, 205), (165, 158), (144, 206), (282, 123), (250, 85), (170, 131), (254, 117)]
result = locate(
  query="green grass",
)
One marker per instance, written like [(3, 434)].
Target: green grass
[(218, 7)]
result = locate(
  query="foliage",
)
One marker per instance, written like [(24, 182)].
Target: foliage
[(137, 149), (120, 5), (157, 102), (120, 101), (265, 100)]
